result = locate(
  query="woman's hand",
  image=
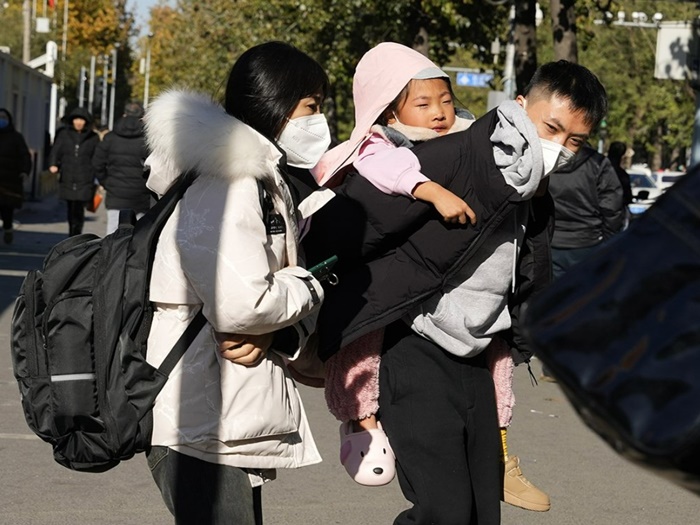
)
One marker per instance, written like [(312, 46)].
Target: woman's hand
[(243, 349)]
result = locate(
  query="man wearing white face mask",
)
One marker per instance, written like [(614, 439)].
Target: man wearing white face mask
[(446, 293)]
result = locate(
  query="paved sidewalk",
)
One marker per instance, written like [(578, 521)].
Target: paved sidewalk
[(588, 483)]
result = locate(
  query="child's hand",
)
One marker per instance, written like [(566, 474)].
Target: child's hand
[(452, 208)]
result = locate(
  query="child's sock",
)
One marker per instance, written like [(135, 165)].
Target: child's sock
[(504, 444)]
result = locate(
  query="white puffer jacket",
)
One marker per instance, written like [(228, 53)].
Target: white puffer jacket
[(217, 253)]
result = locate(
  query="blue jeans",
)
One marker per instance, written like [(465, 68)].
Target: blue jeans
[(197, 492)]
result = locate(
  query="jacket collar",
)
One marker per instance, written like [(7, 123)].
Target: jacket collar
[(188, 131)]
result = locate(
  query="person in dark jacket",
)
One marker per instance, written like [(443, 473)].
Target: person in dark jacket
[(616, 153), (71, 156), (15, 163), (118, 163), (588, 207), (444, 292)]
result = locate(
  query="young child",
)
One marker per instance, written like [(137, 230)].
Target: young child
[(401, 98)]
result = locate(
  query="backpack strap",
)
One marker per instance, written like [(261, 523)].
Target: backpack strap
[(183, 343), (127, 218), (198, 322)]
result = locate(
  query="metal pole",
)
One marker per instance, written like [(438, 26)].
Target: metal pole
[(105, 72), (148, 72), (91, 89), (113, 93), (81, 88), (52, 52)]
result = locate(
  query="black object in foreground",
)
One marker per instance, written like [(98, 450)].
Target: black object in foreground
[(621, 333)]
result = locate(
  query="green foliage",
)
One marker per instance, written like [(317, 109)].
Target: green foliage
[(653, 116), (206, 36), (195, 42), (94, 28)]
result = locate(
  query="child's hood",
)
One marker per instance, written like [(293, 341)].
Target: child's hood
[(380, 76)]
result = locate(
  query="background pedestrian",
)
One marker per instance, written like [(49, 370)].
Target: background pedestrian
[(119, 166), (71, 157), (15, 163)]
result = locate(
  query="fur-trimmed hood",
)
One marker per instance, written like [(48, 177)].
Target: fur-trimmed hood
[(187, 130)]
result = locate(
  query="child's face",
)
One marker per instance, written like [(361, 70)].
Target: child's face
[(428, 104)]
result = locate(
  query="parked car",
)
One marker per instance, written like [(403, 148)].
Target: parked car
[(666, 179), (645, 190)]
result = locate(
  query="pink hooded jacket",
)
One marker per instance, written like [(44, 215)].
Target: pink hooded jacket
[(380, 76)]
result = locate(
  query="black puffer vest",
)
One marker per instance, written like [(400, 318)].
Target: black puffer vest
[(397, 252)]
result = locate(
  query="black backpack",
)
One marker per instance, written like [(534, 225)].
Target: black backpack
[(79, 333)]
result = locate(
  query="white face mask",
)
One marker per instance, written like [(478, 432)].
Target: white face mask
[(555, 156), (305, 140)]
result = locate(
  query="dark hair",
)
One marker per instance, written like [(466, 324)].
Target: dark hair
[(9, 115), (574, 82), (80, 113), (267, 82), (617, 150), (133, 109), (401, 99)]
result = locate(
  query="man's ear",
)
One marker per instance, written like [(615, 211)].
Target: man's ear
[(522, 101)]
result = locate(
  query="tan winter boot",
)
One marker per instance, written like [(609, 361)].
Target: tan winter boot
[(518, 491)]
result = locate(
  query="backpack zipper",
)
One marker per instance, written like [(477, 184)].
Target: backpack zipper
[(45, 322)]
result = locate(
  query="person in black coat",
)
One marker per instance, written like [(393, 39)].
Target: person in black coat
[(589, 208), (15, 162), (118, 164), (71, 155), (616, 153)]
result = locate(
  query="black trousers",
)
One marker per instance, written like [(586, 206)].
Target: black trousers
[(7, 214), (76, 217), (439, 412)]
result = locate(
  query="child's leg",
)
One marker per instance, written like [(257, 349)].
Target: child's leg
[(352, 380), (517, 490), (352, 395), (500, 362)]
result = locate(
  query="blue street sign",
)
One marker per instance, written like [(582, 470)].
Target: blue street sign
[(480, 80)]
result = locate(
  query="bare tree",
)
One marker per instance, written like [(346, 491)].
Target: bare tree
[(564, 29), (525, 40)]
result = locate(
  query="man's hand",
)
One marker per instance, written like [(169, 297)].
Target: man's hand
[(243, 349), (452, 208), (53, 169)]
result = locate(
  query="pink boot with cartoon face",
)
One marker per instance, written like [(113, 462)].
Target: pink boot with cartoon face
[(367, 455)]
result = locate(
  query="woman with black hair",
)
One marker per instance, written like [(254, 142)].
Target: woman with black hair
[(230, 413), (15, 162)]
